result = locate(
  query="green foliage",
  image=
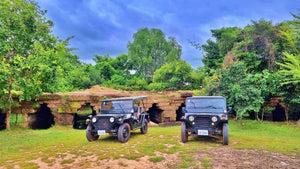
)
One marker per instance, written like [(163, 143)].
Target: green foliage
[(211, 83), (289, 74), (216, 51), (244, 91), (150, 50), (290, 68), (246, 59), (32, 60), (174, 75), (25, 41), (225, 38)]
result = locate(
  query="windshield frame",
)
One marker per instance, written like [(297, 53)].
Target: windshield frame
[(193, 103), (119, 109)]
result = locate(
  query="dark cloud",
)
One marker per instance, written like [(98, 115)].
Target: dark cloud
[(105, 26)]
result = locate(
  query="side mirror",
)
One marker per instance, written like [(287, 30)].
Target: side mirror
[(229, 109)]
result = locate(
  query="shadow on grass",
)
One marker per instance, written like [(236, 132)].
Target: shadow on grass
[(205, 139)]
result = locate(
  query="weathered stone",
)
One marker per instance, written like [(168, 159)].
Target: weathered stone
[(161, 106)]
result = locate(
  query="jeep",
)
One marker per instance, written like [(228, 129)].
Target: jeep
[(205, 116), (118, 117)]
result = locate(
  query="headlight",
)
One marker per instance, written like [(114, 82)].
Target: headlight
[(191, 118), (94, 119), (112, 119), (214, 119), (128, 115), (225, 111)]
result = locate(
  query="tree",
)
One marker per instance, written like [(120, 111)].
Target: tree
[(289, 74), (25, 42), (211, 58), (122, 64), (225, 38), (244, 91), (150, 50), (290, 68), (176, 75)]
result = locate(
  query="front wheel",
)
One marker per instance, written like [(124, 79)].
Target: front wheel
[(184, 133), (144, 128), (124, 133), (225, 134), (91, 136)]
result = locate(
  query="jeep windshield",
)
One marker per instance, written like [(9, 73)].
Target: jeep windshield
[(117, 106), (205, 103)]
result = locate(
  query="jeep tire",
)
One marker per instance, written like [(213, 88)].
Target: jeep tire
[(124, 132), (144, 128), (184, 133), (90, 135), (225, 134)]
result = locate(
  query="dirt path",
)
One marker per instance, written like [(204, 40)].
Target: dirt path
[(220, 157)]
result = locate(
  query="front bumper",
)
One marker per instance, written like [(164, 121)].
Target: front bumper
[(203, 124), (103, 123)]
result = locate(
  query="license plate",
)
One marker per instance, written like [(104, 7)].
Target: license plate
[(101, 132), (203, 132)]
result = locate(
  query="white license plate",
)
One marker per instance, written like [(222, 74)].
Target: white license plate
[(203, 132), (101, 132)]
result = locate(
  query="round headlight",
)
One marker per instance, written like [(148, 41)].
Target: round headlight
[(94, 119), (225, 111), (191, 118), (112, 119), (214, 119)]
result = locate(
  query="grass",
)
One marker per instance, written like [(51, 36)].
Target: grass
[(59, 143), (156, 159), (275, 137), (205, 163)]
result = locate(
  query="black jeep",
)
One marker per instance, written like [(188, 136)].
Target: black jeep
[(117, 117), (205, 116)]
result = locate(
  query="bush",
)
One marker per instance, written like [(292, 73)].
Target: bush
[(159, 86)]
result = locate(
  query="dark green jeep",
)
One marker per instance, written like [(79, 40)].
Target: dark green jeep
[(117, 117), (205, 116)]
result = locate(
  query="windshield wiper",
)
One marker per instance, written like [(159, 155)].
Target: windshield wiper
[(193, 104), (211, 106)]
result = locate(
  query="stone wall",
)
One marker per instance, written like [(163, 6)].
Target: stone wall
[(63, 106)]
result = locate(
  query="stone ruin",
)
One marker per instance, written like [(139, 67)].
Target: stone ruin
[(64, 108), (72, 108)]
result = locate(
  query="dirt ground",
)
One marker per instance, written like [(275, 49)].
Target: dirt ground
[(221, 157)]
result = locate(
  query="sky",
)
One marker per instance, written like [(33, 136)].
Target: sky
[(106, 26)]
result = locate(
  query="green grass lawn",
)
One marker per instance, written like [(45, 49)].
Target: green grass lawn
[(19, 146)]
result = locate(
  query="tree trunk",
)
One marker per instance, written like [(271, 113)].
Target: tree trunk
[(256, 116), (235, 118), (286, 110), (8, 113), (241, 122), (7, 120)]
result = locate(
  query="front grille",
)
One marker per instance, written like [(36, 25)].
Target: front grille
[(202, 122), (102, 123)]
